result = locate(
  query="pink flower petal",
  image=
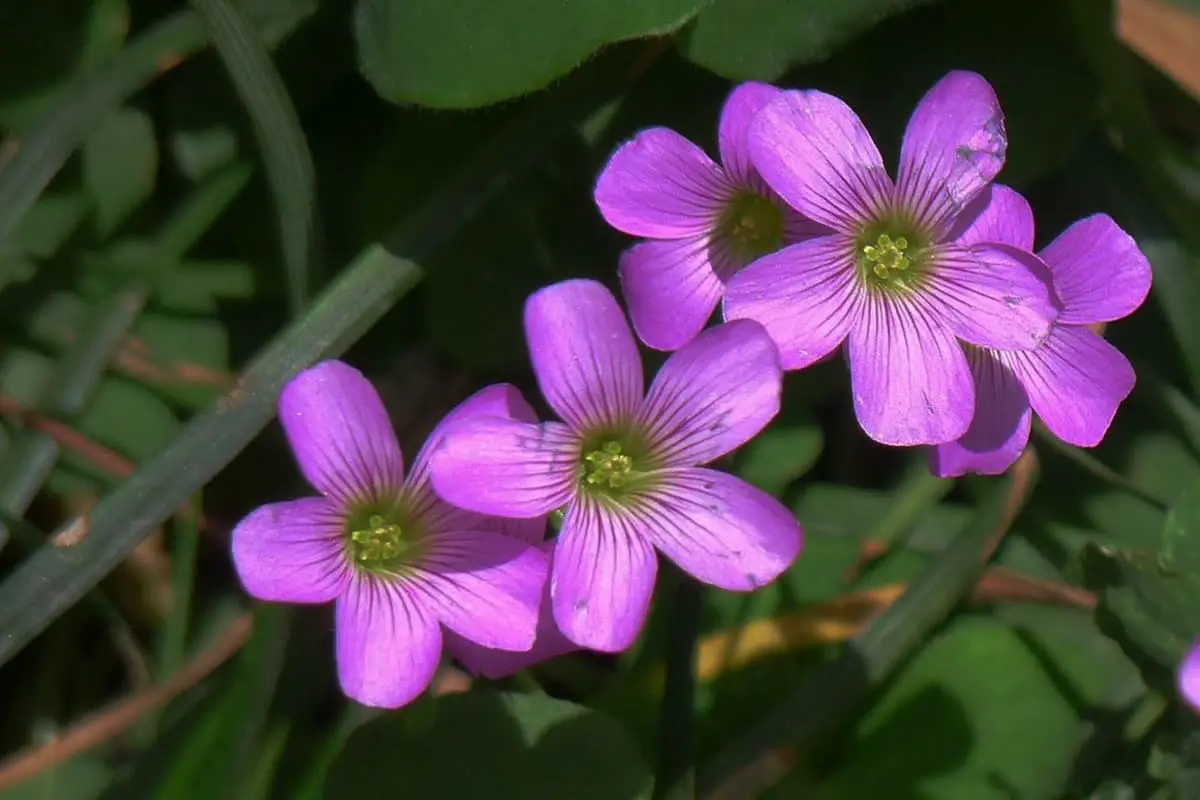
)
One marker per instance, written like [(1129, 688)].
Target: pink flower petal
[(910, 379), (991, 295), (484, 586), (496, 664), (813, 150), (741, 107), (954, 146), (1100, 275), (504, 468), (719, 529), (584, 356), (498, 400), (1188, 677), (340, 433), (292, 552), (804, 295), (1075, 382), (388, 645), (997, 215), (714, 395), (999, 430), (602, 578), (662, 186), (671, 288)]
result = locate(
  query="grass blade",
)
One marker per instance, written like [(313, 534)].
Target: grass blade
[(54, 578), (280, 139), (32, 458)]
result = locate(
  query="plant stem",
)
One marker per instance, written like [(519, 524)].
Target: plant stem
[(676, 778)]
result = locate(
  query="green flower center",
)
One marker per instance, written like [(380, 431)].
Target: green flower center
[(887, 255), (891, 256), (752, 226), (377, 541), (607, 467), (614, 464)]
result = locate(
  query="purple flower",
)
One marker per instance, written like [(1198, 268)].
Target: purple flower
[(624, 463), (496, 664), (1187, 679), (890, 280), (1075, 380), (400, 563), (705, 222)]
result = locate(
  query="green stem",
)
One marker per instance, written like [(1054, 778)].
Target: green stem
[(677, 724), (1098, 468)]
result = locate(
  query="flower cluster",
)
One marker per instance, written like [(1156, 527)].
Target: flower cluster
[(954, 328)]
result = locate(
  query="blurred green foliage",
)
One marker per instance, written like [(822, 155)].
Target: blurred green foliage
[(198, 200)]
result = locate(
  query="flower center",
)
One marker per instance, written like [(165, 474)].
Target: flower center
[(887, 254), (890, 256), (607, 467), (377, 541), (614, 465), (752, 226)]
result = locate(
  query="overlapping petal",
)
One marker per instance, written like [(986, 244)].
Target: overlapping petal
[(484, 586), (601, 579), (584, 356), (954, 146), (813, 150), (991, 295), (340, 433), (661, 186), (719, 529), (1099, 272), (498, 400), (741, 107), (292, 552), (804, 295), (997, 215), (999, 429), (713, 395), (495, 664), (388, 644), (504, 468), (1075, 383), (909, 376), (671, 288)]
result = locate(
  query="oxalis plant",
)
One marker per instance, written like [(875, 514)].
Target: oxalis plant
[(666, 402)]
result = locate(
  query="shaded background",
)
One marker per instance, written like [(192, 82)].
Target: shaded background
[(167, 207)]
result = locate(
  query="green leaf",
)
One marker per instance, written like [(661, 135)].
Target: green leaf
[(762, 39), (944, 731), (119, 164), (475, 52), (1151, 594), (498, 746), (1175, 759), (775, 458), (280, 139)]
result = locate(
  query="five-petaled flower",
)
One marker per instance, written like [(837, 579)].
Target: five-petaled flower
[(891, 281), (400, 563), (1075, 380), (624, 464), (704, 221)]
